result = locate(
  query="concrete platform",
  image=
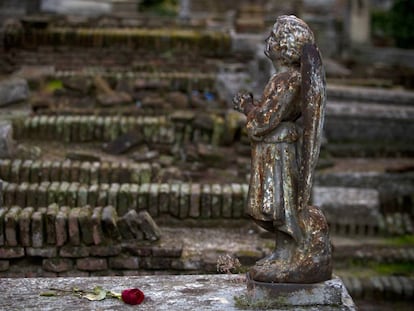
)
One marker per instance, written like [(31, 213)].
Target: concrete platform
[(163, 292)]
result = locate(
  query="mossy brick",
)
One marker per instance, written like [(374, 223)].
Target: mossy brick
[(52, 192), (185, 198), (156, 263), (69, 251), (43, 127), (72, 195), (114, 129), (195, 198), (50, 220), (124, 262), (113, 194), (31, 197), (42, 194), (21, 194), (90, 126), (74, 131), (174, 251), (145, 175), (10, 194), (15, 171), (147, 224), (124, 199), (57, 264), (61, 193), (11, 221), (61, 225), (115, 170), (3, 212), (174, 207), (205, 201), (104, 172), (37, 227), (82, 195), (124, 229), (45, 252), (25, 170), (11, 252), (109, 222), (216, 204), (74, 171), (135, 173), (238, 201), (36, 172), (51, 127), (227, 201), (133, 190), (85, 225), (103, 194), (91, 264), (45, 170), (98, 133), (73, 226), (5, 167), (24, 226), (218, 130), (65, 170), (164, 198), (97, 232), (85, 172), (105, 250), (106, 133), (56, 171), (34, 127), (59, 134), (133, 223), (94, 172), (153, 200), (83, 129), (124, 173), (93, 195), (143, 196)]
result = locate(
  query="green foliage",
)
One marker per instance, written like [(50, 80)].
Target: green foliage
[(244, 303), (404, 240), (399, 269), (54, 85), (160, 7), (402, 23)]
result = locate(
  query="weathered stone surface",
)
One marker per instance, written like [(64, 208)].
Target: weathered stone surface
[(104, 251), (51, 215), (24, 226), (7, 144), (109, 222), (57, 264), (74, 251), (73, 226), (61, 225), (11, 252), (11, 221), (13, 91), (41, 252), (151, 230), (124, 263), (38, 223), (85, 225)]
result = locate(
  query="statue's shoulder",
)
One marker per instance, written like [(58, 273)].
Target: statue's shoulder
[(287, 79)]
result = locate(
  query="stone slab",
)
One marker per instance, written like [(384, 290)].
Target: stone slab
[(163, 292)]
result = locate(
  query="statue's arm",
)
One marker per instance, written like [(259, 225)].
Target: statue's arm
[(271, 110)]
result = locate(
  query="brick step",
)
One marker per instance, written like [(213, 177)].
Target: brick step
[(182, 201), (179, 127), (84, 172), (380, 287)]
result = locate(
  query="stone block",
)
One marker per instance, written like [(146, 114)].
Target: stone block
[(56, 171), (31, 197), (167, 251), (91, 264), (143, 202), (226, 201), (82, 199), (94, 172), (156, 263), (5, 167), (11, 252), (85, 172), (185, 198), (65, 170), (69, 251), (45, 170), (52, 193), (109, 222), (115, 169), (93, 195), (104, 172), (113, 194), (105, 251), (74, 171), (164, 198), (51, 215), (24, 226), (36, 172), (38, 224), (124, 199), (57, 264), (15, 171), (153, 200), (124, 263), (124, 228), (13, 90), (11, 220), (46, 252), (216, 204), (175, 199), (3, 212), (85, 225), (103, 191), (97, 232), (61, 225), (4, 265), (61, 193), (151, 230), (25, 171), (133, 190), (73, 226), (195, 199), (238, 201), (21, 193), (42, 192), (205, 201), (72, 195), (9, 194)]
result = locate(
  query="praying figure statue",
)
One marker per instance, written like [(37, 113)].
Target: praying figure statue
[(285, 128)]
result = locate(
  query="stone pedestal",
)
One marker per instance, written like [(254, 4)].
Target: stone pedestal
[(328, 295)]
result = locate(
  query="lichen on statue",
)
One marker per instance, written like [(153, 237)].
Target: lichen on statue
[(284, 128)]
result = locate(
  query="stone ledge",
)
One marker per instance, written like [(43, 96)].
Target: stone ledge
[(185, 292)]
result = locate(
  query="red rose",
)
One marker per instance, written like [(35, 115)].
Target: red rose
[(132, 296)]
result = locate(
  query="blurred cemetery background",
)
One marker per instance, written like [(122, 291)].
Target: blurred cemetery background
[(120, 153)]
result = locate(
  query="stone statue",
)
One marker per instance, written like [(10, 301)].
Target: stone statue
[(285, 131)]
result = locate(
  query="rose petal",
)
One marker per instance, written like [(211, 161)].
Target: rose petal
[(132, 296)]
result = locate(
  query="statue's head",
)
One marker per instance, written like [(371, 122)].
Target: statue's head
[(288, 36)]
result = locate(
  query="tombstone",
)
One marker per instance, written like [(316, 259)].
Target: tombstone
[(285, 131)]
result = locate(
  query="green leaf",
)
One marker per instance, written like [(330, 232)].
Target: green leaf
[(48, 294), (98, 294)]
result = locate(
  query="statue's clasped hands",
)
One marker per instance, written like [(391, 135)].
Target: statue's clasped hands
[(242, 101)]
